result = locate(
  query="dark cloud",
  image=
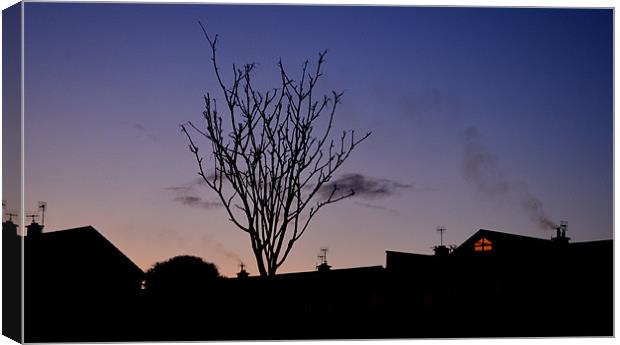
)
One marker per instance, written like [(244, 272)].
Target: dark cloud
[(187, 195), (195, 201), (364, 187), (482, 170)]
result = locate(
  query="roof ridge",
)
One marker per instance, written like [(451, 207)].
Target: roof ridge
[(93, 230), (510, 234)]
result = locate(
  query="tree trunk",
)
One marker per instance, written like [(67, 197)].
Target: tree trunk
[(260, 263)]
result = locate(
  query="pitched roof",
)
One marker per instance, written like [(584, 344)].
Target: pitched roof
[(84, 249), (504, 242)]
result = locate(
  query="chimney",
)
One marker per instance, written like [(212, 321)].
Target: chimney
[(441, 250), (9, 229), (560, 237), (34, 229), (242, 273), (323, 267)]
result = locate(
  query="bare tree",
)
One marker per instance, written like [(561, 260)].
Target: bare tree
[(273, 157)]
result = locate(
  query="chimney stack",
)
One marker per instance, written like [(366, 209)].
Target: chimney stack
[(34, 229), (9, 229), (561, 234), (441, 250), (242, 273), (323, 267)]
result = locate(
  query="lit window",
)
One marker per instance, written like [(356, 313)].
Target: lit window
[(483, 245)]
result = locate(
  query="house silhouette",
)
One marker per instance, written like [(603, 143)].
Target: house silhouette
[(322, 304), (76, 284), (506, 285), (80, 287), (11, 281)]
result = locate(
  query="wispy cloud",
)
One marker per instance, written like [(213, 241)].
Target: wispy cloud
[(430, 101), (372, 206), (188, 195), (364, 187), (392, 211), (422, 103), (144, 132), (195, 201)]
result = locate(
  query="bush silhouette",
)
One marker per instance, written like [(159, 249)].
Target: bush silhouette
[(185, 274)]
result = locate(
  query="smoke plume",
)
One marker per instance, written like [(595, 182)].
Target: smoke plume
[(483, 172), (534, 209), (207, 241), (227, 253)]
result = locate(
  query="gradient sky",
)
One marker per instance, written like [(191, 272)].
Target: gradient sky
[(106, 86)]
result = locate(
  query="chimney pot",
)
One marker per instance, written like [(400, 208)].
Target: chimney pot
[(324, 267), (9, 228), (34, 229)]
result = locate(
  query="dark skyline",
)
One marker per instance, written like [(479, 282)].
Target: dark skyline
[(107, 85)]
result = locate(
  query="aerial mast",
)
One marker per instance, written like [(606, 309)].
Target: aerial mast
[(42, 207), (441, 249), (323, 266), (441, 230)]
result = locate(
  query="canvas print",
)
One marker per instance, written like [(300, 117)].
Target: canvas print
[(199, 172)]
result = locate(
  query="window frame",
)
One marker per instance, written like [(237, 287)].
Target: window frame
[(483, 245)]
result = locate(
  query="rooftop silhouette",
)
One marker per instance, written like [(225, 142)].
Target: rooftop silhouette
[(80, 287)]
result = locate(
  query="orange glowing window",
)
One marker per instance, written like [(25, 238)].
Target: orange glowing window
[(483, 245)]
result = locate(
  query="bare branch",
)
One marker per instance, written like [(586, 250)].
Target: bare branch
[(272, 158)]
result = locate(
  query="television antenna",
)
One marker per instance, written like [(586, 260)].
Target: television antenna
[(323, 255), (4, 211), (42, 207), (242, 272), (442, 249), (11, 215), (33, 216), (441, 230)]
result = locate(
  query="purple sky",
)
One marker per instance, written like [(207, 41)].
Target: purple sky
[(481, 118)]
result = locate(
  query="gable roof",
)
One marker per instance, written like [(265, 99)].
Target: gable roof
[(504, 243), (84, 251)]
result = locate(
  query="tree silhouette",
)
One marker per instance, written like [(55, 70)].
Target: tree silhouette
[(180, 274), (273, 153)]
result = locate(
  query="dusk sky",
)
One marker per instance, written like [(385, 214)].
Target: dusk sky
[(480, 118)]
